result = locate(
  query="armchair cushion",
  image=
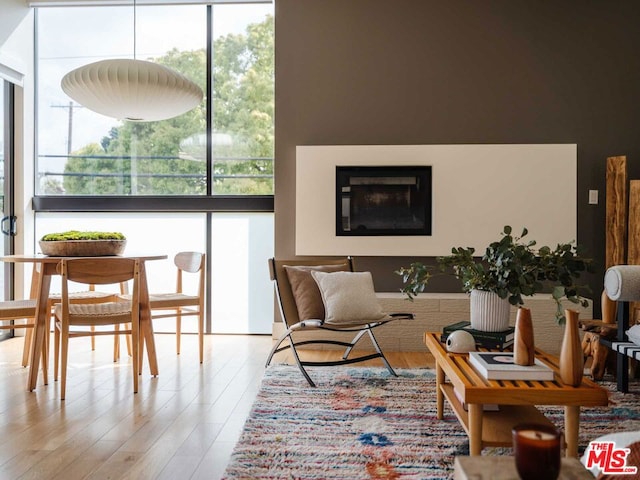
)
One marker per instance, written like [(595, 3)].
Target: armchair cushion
[(305, 290), (348, 297)]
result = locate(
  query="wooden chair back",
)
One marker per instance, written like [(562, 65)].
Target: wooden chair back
[(191, 262)]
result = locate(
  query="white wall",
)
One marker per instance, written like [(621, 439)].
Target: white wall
[(16, 65), (477, 190)]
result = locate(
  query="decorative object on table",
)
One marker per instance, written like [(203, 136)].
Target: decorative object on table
[(460, 342), (501, 366), (571, 357), (490, 340), (488, 311), (132, 89), (536, 448), (523, 344), (510, 268), (74, 243)]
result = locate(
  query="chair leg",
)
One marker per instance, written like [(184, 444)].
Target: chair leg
[(287, 335), (128, 341), (26, 350), (56, 346), (140, 356), (64, 354), (45, 356), (135, 346), (300, 366), (178, 329), (379, 350), (93, 339), (353, 343), (276, 345), (116, 343), (201, 335)]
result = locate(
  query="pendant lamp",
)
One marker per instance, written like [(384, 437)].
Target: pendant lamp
[(134, 90)]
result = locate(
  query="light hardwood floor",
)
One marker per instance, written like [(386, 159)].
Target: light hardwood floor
[(180, 425)]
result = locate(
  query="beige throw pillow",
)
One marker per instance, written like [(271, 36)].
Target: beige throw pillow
[(348, 297), (305, 290)]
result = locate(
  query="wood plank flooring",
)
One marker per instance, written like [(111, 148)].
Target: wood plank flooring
[(181, 425)]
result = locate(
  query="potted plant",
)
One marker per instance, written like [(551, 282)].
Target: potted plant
[(74, 243), (509, 269)]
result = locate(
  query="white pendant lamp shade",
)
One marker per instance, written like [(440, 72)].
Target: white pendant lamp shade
[(134, 90)]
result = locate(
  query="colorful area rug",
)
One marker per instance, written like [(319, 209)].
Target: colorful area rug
[(363, 423)]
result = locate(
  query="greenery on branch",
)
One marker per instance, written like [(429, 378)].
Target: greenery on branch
[(511, 268), (77, 235)]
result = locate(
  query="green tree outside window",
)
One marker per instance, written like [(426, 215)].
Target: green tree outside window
[(168, 157)]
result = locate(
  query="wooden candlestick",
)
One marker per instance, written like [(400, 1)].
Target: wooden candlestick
[(571, 356), (523, 344)]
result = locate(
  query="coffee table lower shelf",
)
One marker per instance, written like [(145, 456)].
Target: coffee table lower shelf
[(496, 426)]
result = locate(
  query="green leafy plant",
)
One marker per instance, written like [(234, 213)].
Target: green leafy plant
[(77, 235), (511, 268)]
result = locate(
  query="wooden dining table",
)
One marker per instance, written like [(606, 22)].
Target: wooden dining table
[(47, 268)]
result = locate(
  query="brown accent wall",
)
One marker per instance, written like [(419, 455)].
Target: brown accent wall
[(458, 72)]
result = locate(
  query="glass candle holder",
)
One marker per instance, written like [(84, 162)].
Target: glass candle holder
[(537, 451)]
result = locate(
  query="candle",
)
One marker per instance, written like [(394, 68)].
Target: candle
[(537, 451)]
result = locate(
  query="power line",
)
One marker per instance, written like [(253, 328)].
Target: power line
[(70, 106)]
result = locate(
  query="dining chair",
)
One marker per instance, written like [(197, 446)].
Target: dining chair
[(71, 319), (11, 310), (90, 295), (179, 304)]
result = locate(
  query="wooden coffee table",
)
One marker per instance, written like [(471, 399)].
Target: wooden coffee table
[(517, 399)]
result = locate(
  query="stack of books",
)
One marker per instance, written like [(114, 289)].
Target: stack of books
[(490, 340)]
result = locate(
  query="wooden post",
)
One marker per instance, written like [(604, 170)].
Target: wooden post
[(616, 211), (633, 240)]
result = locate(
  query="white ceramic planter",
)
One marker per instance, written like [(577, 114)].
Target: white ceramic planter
[(489, 312)]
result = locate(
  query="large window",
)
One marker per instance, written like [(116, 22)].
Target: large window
[(84, 153), (203, 180), (238, 285)]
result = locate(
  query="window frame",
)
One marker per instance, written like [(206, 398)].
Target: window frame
[(156, 203), (207, 203)]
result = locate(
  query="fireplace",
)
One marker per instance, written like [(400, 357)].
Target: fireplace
[(386, 200)]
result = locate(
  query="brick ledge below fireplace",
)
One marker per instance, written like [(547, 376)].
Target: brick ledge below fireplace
[(435, 310)]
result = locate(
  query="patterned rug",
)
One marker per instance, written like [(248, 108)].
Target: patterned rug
[(363, 423)]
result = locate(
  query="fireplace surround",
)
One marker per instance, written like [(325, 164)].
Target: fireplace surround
[(476, 190)]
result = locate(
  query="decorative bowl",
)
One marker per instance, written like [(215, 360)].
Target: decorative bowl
[(82, 248)]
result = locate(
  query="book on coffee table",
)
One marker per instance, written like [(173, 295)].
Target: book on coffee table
[(500, 366)]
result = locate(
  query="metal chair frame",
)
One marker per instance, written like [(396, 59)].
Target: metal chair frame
[(293, 324)]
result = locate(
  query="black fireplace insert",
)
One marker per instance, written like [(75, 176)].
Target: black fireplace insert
[(389, 200)]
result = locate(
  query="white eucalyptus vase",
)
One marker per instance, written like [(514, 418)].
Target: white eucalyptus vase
[(489, 312)]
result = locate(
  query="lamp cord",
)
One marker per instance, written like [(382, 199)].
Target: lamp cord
[(134, 29)]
